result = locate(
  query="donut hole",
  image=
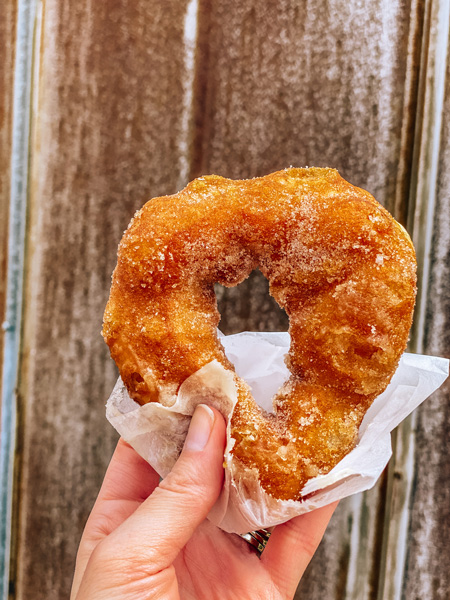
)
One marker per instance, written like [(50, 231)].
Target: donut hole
[(249, 307)]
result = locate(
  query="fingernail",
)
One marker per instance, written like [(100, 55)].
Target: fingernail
[(200, 428)]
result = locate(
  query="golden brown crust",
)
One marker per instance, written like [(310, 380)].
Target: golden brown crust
[(336, 260)]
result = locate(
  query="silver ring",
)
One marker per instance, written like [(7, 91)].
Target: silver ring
[(257, 539)]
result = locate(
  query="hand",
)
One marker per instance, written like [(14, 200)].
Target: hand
[(147, 541)]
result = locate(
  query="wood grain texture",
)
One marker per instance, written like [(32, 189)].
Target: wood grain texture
[(312, 83), (427, 208), (8, 15), (346, 564), (306, 82), (427, 574), (105, 139), (121, 115)]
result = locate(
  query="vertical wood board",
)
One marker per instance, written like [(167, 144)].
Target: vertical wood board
[(130, 100), (345, 565), (8, 13), (16, 126), (427, 574), (306, 83), (275, 91), (429, 205), (105, 139)]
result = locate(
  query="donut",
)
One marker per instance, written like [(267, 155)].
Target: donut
[(338, 263)]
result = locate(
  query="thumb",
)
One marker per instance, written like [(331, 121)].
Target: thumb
[(164, 523)]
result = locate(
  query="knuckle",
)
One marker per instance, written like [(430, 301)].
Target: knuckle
[(185, 482), (305, 542), (116, 558)]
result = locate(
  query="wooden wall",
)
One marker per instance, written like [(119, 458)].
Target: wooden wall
[(131, 99), (7, 43)]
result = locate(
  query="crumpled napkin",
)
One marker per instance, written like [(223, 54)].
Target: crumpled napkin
[(157, 432)]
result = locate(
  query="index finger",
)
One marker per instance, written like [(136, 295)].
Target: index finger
[(129, 480)]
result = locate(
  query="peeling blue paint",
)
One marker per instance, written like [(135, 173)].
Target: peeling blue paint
[(16, 251)]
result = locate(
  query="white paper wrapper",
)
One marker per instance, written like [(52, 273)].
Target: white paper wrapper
[(157, 432)]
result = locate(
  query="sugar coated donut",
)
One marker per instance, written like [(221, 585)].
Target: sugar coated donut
[(338, 263)]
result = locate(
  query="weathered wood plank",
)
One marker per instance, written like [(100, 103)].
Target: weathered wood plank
[(16, 130), (420, 457), (315, 83), (427, 574), (308, 82), (8, 19), (103, 142), (346, 563), (8, 15), (293, 82)]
